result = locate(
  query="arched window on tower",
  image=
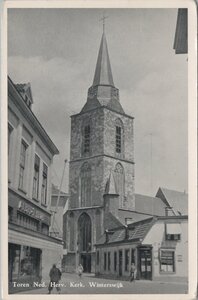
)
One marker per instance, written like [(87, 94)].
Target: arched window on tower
[(119, 137), (86, 137), (85, 185), (120, 182), (71, 230)]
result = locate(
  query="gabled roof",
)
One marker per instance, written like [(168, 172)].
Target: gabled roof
[(124, 214), (17, 98), (177, 200), (136, 231), (149, 205), (103, 73), (110, 188)]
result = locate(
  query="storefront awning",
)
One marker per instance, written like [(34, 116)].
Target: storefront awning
[(173, 229)]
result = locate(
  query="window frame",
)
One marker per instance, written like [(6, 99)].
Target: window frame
[(35, 187), (22, 164), (105, 261), (168, 259), (126, 260), (44, 187), (115, 261)]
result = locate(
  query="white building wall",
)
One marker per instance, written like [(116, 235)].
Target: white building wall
[(35, 145), (156, 238), (52, 252)]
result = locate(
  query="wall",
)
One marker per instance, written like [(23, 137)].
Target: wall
[(156, 237), (23, 130), (112, 249), (52, 251)]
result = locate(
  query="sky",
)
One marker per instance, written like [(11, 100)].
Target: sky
[(56, 51)]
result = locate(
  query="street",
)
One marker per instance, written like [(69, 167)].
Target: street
[(89, 284)]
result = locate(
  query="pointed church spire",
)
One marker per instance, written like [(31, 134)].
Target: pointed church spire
[(103, 73), (103, 92)]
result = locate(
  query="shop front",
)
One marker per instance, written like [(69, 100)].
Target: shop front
[(144, 262), (24, 263)]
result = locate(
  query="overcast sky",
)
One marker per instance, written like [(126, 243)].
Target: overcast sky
[(56, 51)]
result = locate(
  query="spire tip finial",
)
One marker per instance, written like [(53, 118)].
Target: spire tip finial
[(103, 21)]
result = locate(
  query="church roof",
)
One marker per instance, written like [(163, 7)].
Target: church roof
[(103, 73), (149, 205), (175, 199)]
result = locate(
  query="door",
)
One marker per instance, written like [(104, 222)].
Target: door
[(86, 262), (120, 262), (145, 263)]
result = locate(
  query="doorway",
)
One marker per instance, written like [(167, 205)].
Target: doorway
[(86, 262), (145, 263), (85, 241)]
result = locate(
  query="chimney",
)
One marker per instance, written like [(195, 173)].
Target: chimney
[(128, 221), (107, 233), (126, 232)]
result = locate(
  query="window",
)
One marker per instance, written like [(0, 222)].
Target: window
[(10, 213), (173, 237), (109, 261), (105, 261), (115, 261), (71, 226), (97, 258), (10, 129), (35, 193), (119, 178), (118, 139), (173, 231), (44, 185), (85, 186), (132, 256), (22, 164), (86, 139), (167, 261), (126, 260), (45, 229)]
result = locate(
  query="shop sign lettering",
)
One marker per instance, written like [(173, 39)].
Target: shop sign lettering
[(29, 210)]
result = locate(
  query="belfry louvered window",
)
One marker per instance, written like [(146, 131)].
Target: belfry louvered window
[(86, 146), (118, 139)]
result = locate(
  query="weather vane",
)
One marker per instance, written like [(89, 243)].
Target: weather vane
[(103, 20)]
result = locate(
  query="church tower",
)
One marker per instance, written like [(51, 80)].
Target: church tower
[(101, 174)]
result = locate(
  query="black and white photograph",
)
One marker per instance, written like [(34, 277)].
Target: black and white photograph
[(98, 189)]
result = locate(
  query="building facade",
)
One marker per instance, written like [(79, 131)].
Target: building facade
[(30, 158), (158, 247), (101, 148)]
